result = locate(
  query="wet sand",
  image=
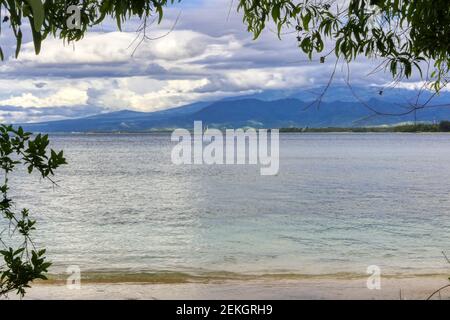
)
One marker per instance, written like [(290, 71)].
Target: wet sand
[(391, 288)]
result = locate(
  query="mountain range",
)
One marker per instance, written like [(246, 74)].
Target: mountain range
[(270, 109)]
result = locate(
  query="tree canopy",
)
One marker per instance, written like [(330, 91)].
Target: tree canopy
[(50, 17), (405, 36)]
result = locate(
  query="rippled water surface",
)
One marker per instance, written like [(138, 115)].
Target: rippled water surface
[(340, 203)]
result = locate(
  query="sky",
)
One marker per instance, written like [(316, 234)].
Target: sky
[(208, 56)]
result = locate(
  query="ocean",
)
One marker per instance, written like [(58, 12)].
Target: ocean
[(339, 204)]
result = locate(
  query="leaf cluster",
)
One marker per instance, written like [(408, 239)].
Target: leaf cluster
[(49, 17), (23, 262), (404, 35)]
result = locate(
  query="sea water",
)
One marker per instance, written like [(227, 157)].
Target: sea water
[(340, 203)]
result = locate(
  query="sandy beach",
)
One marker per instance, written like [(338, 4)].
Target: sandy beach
[(391, 288)]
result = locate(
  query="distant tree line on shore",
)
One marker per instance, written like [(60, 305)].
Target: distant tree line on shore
[(443, 126)]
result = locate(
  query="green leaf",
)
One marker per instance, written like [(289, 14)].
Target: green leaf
[(119, 22), (160, 13), (38, 13), (306, 19), (18, 251), (18, 42), (276, 12), (37, 38)]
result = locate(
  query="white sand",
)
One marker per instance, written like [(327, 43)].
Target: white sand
[(411, 288)]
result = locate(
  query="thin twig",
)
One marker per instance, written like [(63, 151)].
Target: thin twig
[(330, 80), (438, 291)]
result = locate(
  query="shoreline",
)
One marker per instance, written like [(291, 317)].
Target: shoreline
[(203, 276), (281, 131), (409, 288)]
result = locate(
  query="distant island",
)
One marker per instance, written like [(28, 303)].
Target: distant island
[(443, 126)]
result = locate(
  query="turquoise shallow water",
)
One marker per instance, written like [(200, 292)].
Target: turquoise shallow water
[(340, 203)]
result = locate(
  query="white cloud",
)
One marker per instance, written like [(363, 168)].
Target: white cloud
[(415, 86), (159, 94), (63, 97), (94, 48), (269, 78), (118, 47)]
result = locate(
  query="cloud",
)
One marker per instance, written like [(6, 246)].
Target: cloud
[(11, 114), (63, 97), (94, 48), (208, 56)]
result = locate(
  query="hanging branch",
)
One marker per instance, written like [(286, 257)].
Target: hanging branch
[(23, 263)]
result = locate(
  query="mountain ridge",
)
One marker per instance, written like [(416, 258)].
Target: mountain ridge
[(252, 112)]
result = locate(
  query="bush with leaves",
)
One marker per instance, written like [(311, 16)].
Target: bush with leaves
[(22, 261)]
